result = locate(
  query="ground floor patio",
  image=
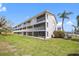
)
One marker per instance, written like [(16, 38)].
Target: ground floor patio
[(35, 33)]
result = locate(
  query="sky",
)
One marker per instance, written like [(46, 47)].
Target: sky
[(20, 12)]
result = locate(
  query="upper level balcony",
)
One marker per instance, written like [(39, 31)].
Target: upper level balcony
[(40, 19), (24, 30), (40, 26)]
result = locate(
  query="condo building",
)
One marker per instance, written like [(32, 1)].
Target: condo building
[(42, 25)]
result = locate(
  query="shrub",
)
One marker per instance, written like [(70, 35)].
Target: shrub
[(59, 34)]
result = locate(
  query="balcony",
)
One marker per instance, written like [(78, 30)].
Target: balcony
[(24, 30), (40, 28), (26, 25), (40, 19)]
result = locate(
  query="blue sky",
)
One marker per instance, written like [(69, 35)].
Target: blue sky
[(19, 12)]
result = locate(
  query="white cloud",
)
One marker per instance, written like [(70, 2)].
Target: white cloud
[(59, 24), (2, 8), (0, 5), (69, 23)]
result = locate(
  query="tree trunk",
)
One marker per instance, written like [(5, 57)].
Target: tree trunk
[(62, 24)]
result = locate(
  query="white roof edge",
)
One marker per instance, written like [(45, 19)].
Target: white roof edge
[(45, 11)]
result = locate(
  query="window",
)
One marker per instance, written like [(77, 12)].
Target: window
[(24, 28), (47, 34), (41, 18), (47, 16), (24, 33), (29, 27), (47, 24), (28, 21)]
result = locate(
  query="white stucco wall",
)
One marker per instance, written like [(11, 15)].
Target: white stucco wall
[(51, 24)]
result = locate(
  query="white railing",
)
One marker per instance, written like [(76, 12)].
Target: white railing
[(41, 19), (39, 28)]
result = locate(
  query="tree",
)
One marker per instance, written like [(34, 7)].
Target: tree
[(77, 27), (64, 15), (77, 20), (4, 25)]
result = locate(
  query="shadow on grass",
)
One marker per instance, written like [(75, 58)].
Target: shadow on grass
[(75, 40), (74, 54)]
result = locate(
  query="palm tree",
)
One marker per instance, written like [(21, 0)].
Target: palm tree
[(64, 15), (77, 20), (77, 27)]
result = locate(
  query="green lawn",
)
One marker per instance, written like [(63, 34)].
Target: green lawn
[(29, 46)]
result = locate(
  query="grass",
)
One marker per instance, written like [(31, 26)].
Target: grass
[(29, 46)]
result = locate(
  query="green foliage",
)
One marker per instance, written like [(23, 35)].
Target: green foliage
[(5, 26), (64, 14), (59, 34), (1, 30)]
